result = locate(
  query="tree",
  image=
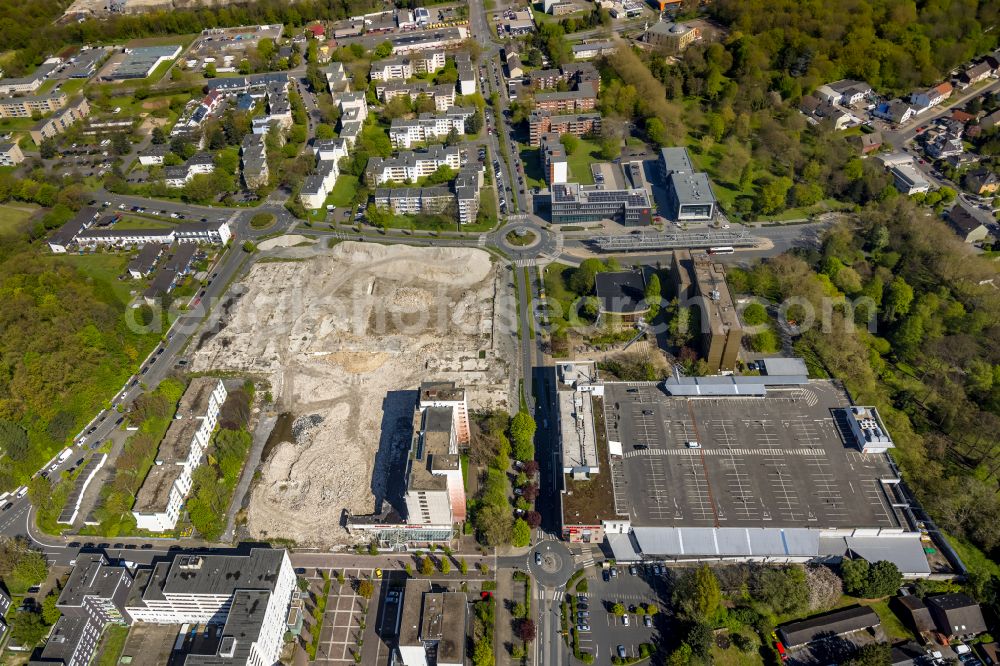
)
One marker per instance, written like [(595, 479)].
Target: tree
[(656, 131), (365, 589), (618, 609), (383, 50), (249, 246), (519, 611), (570, 142), (50, 613), (474, 123), (653, 296), (773, 195), (765, 342), (158, 136), (210, 71), (48, 149), (898, 299), (120, 143), (698, 595), (445, 565), (582, 279), (27, 628), (533, 518), (463, 566), (755, 314), (522, 432), (525, 630), (870, 581), (427, 565), (521, 535), (13, 440)]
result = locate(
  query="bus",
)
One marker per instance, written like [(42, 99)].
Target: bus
[(722, 250)]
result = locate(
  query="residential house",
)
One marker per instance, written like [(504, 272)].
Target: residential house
[(584, 98), (969, 228), (956, 615), (145, 261), (253, 158), (466, 73), (944, 145), (922, 100), (555, 164), (846, 92), (412, 166), (161, 496), (514, 68), (974, 74), (979, 181), (429, 127), (577, 124), (897, 112), (25, 107), (908, 179), (867, 143), (817, 111)]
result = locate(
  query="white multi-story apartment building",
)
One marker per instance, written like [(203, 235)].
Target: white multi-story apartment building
[(190, 232), (411, 166), (408, 66), (443, 95), (159, 500), (428, 126), (247, 594), (317, 187)]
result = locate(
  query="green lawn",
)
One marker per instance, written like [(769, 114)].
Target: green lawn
[(142, 223), (974, 559), (12, 215), (825, 206), (343, 191), (104, 269), (731, 656), (112, 643), (579, 162)]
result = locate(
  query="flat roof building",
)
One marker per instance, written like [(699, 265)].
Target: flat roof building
[(701, 282), (572, 203), (689, 192), (622, 294), (140, 62), (432, 627)]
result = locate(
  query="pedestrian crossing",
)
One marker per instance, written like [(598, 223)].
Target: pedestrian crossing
[(482, 240), (525, 263), (557, 595), (724, 452)]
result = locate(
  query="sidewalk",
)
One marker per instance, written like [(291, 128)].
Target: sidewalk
[(260, 435), (503, 636)]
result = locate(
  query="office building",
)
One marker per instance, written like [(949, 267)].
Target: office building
[(435, 493), (244, 599), (159, 500), (700, 281), (671, 37), (573, 203), (93, 598), (432, 627), (689, 192)]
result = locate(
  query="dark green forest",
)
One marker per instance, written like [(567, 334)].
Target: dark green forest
[(64, 351)]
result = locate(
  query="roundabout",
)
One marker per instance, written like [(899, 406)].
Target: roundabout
[(551, 563), (525, 239)]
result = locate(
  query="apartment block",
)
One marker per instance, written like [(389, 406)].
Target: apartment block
[(411, 166), (407, 66), (435, 493), (584, 98), (432, 625), (10, 154), (443, 95), (61, 120), (429, 126), (577, 124), (24, 107), (161, 496), (552, 154)]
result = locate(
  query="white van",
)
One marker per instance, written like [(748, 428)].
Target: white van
[(693, 445), (22, 491)]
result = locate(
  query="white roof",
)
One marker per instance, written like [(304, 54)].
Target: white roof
[(727, 541), (903, 550)]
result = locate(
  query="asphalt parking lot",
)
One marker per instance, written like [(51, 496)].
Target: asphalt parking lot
[(607, 631)]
